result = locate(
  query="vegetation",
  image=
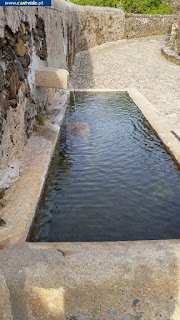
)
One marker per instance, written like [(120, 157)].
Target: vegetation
[(99, 3), (41, 119), (146, 6), (132, 6), (41, 115)]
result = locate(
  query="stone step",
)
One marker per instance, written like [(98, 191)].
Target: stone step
[(52, 78), (170, 55)]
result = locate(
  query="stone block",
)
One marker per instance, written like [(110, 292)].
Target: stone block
[(22, 49), (52, 78), (13, 84)]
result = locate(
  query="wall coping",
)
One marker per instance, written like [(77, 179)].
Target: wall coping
[(67, 6)]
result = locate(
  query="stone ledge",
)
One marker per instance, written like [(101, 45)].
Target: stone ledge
[(136, 280), (52, 78), (166, 131), (170, 55), (22, 197)]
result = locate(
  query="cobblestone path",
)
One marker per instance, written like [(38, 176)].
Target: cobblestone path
[(134, 63)]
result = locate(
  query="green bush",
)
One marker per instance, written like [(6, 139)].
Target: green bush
[(98, 3), (132, 6), (146, 6)]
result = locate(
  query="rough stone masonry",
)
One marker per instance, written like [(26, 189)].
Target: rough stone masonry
[(17, 108), (172, 49), (175, 37)]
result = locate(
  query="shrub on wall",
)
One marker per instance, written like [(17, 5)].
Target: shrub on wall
[(99, 3), (132, 6), (146, 6)]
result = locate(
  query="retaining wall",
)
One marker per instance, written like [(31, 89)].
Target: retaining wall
[(144, 25), (97, 25)]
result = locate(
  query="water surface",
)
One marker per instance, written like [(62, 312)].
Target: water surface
[(110, 177)]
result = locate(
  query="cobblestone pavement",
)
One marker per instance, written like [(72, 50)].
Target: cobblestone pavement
[(134, 63)]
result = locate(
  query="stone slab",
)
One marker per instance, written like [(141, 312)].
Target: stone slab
[(168, 134), (52, 78), (136, 280)]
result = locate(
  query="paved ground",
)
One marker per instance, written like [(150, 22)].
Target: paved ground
[(134, 63)]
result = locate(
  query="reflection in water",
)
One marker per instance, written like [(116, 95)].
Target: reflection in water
[(110, 177)]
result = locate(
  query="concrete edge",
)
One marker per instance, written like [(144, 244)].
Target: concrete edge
[(98, 90), (57, 121), (162, 126), (95, 9), (70, 7), (141, 15), (22, 198)]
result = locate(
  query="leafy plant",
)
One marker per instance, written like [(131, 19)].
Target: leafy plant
[(146, 6), (132, 6), (40, 118), (99, 3)]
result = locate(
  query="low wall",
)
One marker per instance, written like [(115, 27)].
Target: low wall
[(97, 25), (143, 25)]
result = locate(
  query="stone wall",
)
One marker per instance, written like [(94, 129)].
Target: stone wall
[(143, 25), (174, 43), (97, 25), (172, 49), (26, 43)]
